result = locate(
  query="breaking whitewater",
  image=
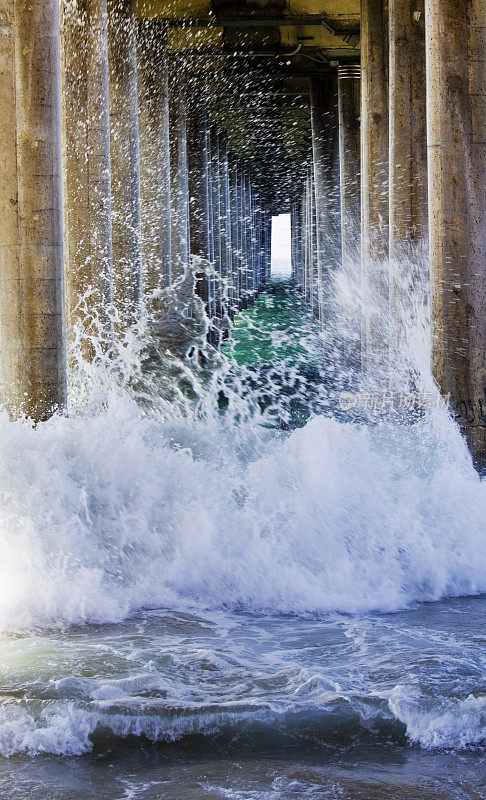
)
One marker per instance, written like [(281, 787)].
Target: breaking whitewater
[(186, 566)]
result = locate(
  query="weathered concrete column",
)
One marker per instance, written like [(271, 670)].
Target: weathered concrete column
[(408, 128), (211, 241), (256, 241), (179, 176), (230, 265), (32, 330), (245, 211), (242, 215), (456, 120), (310, 259), (224, 221), (308, 255), (125, 161), (251, 239), (325, 149), (349, 107), (87, 173), (296, 235), (408, 170), (304, 239), (153, 93), (235, 233), (311, 249), (374, 186), (268, 245), (216, 220), (198, 167)]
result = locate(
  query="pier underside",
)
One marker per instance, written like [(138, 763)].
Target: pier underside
[(147, 145)]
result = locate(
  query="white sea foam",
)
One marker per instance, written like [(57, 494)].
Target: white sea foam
[(100, 516), (450, 723), (67, 728)]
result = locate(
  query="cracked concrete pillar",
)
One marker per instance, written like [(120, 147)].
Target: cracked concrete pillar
[(153, 93), (125, 162), (87, 178), (325, 148), (32, 329), (456, 123), (374, 187)]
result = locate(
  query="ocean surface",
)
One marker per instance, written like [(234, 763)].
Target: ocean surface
[(255, 599)]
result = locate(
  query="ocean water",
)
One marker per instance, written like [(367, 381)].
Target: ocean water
[(215, 599)]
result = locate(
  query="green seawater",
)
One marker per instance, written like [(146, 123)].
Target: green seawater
[(278, 328), (276, 353)]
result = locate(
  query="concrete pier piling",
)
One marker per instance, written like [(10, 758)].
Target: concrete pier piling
[(153, 95), (235, 233), (224, 226), (297, 233), (179, 176), (349, 109), (227, 216), (125, 161), (408, 229), (199, 208), (456, 119), (243, 238), (408, 128), (216, 221), (87, 171), (374, 187), (32, 323), (325, 146)]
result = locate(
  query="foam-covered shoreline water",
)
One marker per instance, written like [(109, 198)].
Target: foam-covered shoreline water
[(250, 681), (179, 570)]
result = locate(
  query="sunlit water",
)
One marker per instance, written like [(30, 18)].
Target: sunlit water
[(206, 595)]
